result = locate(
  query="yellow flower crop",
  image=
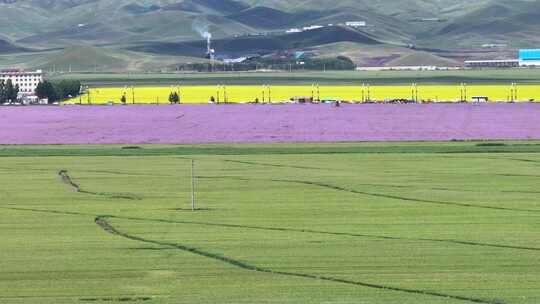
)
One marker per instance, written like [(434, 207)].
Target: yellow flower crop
[(244, 94)]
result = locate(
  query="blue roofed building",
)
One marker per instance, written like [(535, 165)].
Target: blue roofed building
[(529, 57)]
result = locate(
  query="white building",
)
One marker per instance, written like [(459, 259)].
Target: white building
[(407, 68), (27, 80), (312, 27), (294, 30), (356, 23)]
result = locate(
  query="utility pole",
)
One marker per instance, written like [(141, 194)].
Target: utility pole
[(193, 185)]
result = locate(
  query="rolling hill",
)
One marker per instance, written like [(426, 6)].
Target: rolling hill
[(259, 44), (166, 27), (7, 47)]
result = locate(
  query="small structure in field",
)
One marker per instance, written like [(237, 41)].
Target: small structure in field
[(302, 99), (480, 99)]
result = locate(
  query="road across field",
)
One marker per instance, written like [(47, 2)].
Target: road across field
[(267, 123)]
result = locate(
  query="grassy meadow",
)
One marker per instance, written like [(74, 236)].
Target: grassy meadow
[(487, 76), (311, 223)]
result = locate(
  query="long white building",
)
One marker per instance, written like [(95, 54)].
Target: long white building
[(27, 80)]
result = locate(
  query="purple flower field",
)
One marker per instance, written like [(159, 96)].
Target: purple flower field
[(266, 123)]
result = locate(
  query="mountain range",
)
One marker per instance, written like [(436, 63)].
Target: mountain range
[(156, 34)]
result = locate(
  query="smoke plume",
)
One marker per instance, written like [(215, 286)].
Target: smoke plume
[(201, 27)]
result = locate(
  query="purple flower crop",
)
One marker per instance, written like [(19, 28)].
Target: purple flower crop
[(266, 123)]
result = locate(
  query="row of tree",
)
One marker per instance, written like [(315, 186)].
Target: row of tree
[(340, 63), (55, 91), (8, 91)]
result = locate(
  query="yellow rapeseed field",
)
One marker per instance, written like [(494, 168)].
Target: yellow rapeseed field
[(243, 94)]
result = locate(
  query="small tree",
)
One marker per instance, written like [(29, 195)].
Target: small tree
[(67, 88), (174, 98), (46, 89), (2, 92), (11, 91)]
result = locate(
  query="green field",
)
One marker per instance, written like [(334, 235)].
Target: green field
[(503, 76), (312, 223)]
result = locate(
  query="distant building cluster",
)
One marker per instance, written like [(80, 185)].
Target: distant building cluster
[(353, 24), (407, 68), (497, 63), (526, 58)]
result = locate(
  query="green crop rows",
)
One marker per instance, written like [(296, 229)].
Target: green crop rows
[(344, 223)]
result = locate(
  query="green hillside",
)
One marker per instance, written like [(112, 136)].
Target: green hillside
[(156, 28)]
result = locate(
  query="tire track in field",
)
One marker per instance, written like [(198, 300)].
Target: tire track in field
[(66, 178), (403, 198), (374, 194), (525, 160), (283, 229), (273, 165), (47, 211), (102, 222), (322, 232)]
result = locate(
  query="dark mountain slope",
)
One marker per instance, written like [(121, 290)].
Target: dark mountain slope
[(7, 47), (269, 18), (260, 44)]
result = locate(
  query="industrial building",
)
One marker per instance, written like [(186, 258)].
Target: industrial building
[(26, 80), (529, 58), (503, 63), (526, 58)]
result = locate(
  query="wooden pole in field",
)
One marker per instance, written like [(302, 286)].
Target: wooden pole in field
[(193, 185)]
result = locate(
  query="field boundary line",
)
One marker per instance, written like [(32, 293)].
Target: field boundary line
[(350, 234), (395, 197), (282, 229), (102, 222), (274, 165)]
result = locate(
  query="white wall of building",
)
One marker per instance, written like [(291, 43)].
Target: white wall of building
[(356, 23), (27, 80), (529, 63)]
